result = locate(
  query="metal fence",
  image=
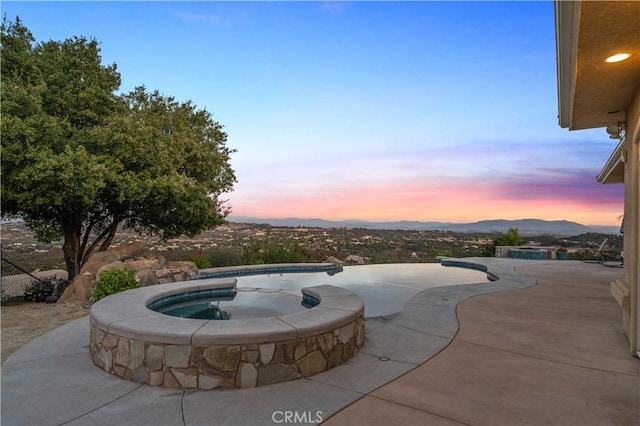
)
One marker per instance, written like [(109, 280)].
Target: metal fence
[(22, 270)]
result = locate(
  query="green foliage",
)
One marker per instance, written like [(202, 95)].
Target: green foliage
[(224, 256), (114, 281), (446, 253), (200, 261), (272, 251), (78, 159), (489, 250), (511, 238)]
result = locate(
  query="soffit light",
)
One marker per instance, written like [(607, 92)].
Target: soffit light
[(618, 57)]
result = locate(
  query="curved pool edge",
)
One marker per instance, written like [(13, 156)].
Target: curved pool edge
[(130, 341), (502, 275), (457, 263), (429, 321), (272, 268)]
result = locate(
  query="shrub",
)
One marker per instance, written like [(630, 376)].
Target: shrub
[(114, 281), (200, 261), (224, 256), (272, 251), (511, 238)]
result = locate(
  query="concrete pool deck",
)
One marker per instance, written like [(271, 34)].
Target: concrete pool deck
[(551, 353)]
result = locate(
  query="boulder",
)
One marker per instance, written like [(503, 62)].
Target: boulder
[(147, 277), (80, 289), (353, 259), (150, 269), (118, 264), (187, 267), (121, 252), (140, 263), (334, 260), (177, 271)]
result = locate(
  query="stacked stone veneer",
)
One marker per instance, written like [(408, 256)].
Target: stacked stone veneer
[(159, 350)]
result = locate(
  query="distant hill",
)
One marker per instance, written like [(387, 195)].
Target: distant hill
[(354, 223), (524, 226)]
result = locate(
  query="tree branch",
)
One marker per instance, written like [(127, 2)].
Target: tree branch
[(85, 239), (93, 245), (112, 233)]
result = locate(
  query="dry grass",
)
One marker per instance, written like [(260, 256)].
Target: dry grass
[(23, 322)]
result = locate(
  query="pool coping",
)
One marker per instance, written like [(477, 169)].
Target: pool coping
[(456, 263), (127, 315)]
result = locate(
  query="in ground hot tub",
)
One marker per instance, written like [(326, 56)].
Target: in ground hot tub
[(233, 303), (134, 342)]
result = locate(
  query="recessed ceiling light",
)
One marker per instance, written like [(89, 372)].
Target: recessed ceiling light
[(618, 57)]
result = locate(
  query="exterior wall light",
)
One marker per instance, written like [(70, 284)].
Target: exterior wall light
[(618, 57), (616, 131)]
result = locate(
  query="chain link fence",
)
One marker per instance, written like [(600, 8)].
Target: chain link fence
[(25, 268)]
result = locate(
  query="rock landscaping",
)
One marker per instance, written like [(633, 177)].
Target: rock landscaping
[(151, 269)]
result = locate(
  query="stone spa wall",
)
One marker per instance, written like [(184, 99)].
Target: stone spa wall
[(135, 343)]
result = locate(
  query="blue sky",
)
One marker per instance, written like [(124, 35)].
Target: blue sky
[(370, 110)]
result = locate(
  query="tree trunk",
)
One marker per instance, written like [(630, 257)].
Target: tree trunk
[(72, 251)]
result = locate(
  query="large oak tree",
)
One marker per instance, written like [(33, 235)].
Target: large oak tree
[(79, 159)]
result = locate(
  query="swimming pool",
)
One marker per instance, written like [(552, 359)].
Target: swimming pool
[(385, 288), (131, 338)]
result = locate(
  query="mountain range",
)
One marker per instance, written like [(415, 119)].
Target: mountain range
[(524, 226)]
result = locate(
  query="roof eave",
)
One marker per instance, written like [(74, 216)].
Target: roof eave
[(567, 20), (613, 170)]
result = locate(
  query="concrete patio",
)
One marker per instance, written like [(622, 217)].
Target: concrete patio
[(526, 354)]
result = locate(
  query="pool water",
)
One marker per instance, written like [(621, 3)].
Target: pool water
[(246, 303), (385, 288)]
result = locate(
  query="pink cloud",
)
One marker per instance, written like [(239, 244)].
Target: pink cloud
[(572, 197), (579, 187)]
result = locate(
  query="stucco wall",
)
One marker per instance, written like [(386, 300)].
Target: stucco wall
[(626, 291)]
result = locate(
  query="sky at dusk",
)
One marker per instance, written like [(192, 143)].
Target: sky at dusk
[(430, 111)]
